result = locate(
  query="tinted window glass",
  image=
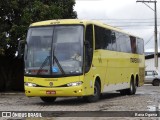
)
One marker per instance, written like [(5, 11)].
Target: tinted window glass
[(155, 73), (128, 44), (140, 48), (133, 44), (88, 47), (149, 73), (123, 43), (114, 39), (103, 38), (99, 38)]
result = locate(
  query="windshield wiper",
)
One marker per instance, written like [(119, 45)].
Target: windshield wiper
[(59, 65), (56, 60), (44, 62)]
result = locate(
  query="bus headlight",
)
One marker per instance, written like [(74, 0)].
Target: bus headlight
[(74, 84), (30, 84)]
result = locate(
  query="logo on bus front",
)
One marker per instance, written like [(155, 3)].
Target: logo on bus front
[(51, 84)]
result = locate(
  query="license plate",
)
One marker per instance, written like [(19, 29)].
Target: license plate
[(50, 92)]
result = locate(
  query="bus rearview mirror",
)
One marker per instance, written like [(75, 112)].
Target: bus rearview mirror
[(21, 46)]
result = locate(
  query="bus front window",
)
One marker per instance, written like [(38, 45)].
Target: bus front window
[(55, 50)]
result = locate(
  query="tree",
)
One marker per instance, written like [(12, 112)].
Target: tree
[(15, 18), (17, 15)]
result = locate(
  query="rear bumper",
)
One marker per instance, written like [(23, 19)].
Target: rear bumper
[(56, 92)]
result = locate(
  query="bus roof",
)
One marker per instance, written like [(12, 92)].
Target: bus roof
[(78, 21)]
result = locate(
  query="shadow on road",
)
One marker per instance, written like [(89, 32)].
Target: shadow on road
[(76, 101)]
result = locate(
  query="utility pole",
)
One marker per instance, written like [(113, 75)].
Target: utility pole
[(155, 29)]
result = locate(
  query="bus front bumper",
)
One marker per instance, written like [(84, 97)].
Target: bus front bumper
[(54, 92)]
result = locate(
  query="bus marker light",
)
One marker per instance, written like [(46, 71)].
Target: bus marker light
[(80, 91), (50, 92)]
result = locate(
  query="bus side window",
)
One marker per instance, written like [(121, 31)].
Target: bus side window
[(140, 44), (104, 38), (88, 47), (133, 44)]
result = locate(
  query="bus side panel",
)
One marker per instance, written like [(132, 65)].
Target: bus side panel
[(98, 69), (141, 71), (120, 67)]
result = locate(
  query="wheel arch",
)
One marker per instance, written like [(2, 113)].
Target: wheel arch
[(98, 79)]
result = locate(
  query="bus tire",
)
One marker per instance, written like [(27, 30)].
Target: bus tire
[(131, 90), (48, 99), (156, 82), (133, 87), (97, 94)]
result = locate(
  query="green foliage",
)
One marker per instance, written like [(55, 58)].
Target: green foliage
[(17, 15)]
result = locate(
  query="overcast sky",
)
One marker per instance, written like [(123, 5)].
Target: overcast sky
[(135, 18)]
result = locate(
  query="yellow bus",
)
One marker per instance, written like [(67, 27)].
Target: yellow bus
[(81, 58)]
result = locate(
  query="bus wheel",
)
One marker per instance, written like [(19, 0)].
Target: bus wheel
[(97, 93), (48, 99), (131, 90), (156, 82)]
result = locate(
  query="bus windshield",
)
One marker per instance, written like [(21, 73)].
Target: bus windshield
[(54, 50)]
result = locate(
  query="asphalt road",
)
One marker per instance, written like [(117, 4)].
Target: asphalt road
[(147, 98)]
